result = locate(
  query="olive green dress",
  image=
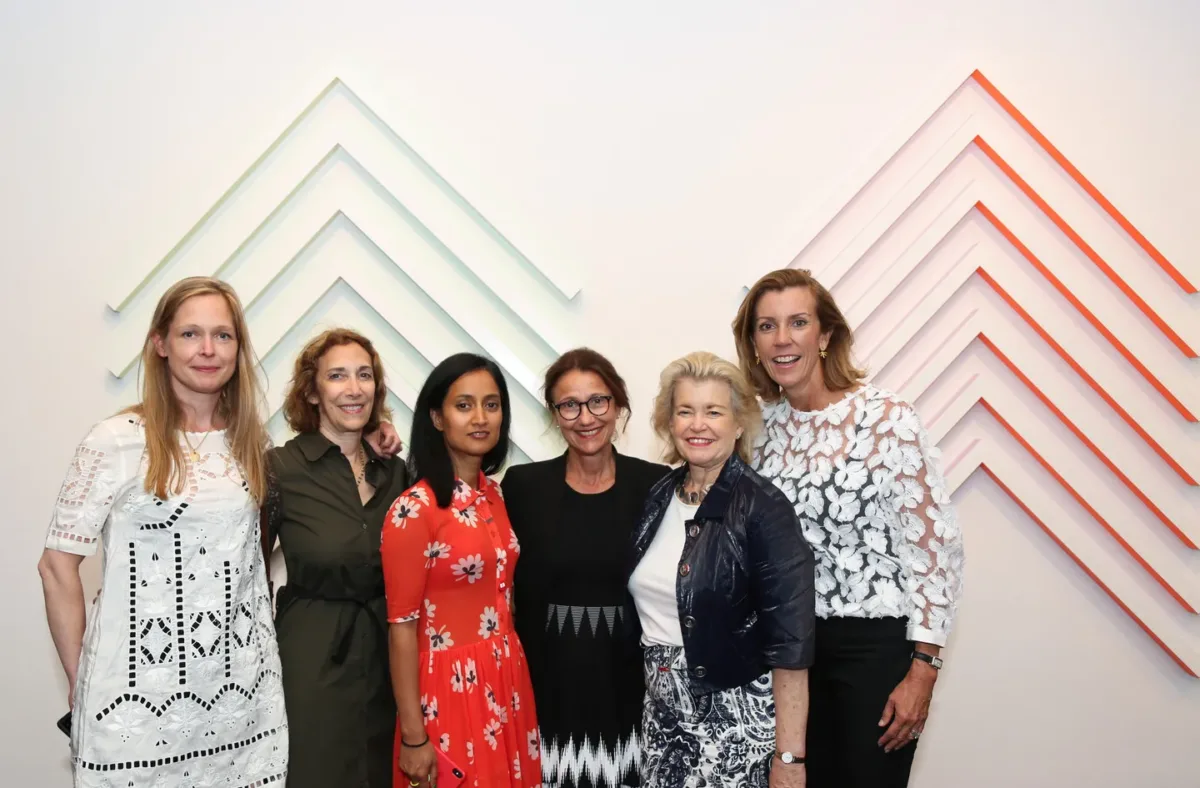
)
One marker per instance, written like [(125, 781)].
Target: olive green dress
[(331, 617)]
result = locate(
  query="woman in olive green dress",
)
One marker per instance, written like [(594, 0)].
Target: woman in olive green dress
[(329, 493)]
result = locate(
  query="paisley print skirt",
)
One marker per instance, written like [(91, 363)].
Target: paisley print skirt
[(724, 739)]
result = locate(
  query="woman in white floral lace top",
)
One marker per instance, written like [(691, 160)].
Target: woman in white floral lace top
[(867, 486)]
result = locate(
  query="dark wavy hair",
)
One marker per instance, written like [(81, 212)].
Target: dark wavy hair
[(428, 457)]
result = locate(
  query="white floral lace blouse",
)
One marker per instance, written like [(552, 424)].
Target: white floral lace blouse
[(179, 681), (868, 489)]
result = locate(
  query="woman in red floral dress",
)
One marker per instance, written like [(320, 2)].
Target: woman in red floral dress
[(458, 670)]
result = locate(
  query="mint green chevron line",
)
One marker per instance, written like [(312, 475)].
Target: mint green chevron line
[(525, 436), (564, 283), (522, 373)]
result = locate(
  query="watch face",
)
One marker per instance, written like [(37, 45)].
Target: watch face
[(787, 757)]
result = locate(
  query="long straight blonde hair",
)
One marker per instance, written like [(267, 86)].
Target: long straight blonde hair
[(238, 407)]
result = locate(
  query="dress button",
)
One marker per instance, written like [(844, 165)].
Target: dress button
[(689, 622), (701, 672), (685, 570), (694, 531), (364, 525)]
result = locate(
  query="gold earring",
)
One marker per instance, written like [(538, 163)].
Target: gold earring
[(757, 361), (823, 353)]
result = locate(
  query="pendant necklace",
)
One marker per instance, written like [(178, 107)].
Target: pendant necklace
[(195, 451)]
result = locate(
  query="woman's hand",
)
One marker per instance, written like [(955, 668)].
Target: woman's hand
[(788, 775), (385, 440), (908, 707), (419, 764)]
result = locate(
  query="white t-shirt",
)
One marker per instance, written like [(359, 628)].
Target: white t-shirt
[(652, 583)]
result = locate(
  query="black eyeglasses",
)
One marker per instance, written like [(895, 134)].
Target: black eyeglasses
[(570, 410)]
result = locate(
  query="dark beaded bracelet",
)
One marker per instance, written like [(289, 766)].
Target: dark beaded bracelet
[(403, 743)]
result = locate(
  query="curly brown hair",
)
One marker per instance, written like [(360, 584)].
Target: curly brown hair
[(302, 415), (838, 365)]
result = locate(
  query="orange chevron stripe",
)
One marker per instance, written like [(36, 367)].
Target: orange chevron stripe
[(1141, 496), (1095, 578), (1162, 581), (1095, 386), (1091, 318), (1083, 246), (1083, 182)]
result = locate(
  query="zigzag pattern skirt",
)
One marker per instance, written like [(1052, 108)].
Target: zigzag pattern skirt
[(724, 739)]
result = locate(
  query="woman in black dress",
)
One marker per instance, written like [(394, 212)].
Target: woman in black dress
[(574, 516)]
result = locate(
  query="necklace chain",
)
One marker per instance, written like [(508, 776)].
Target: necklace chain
[(195, 450)]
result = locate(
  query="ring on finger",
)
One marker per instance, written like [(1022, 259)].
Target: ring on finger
[(915, 734)]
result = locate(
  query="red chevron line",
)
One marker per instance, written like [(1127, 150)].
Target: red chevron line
[(1128, 548), (1100, 327), (1083, 246), (1086, 570), (1079, 370), (1100, 455), (1083, 182)]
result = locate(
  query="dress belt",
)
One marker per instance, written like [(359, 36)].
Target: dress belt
[(374, 605)]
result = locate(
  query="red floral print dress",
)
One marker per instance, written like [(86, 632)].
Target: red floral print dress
[(451, 570)]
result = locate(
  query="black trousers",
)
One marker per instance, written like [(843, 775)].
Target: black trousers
[(858, 663)]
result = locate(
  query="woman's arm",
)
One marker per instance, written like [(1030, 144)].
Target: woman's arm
[(782, 577), (417, 757), (791, 724), (65, 613)]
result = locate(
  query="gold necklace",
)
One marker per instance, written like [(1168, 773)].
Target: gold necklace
[(195, 450), (362, 473)]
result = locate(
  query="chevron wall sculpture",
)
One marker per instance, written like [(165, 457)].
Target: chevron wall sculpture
[(340, 222), (1046, 342)]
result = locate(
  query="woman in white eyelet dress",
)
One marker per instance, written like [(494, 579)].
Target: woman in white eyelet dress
[(176, 681)]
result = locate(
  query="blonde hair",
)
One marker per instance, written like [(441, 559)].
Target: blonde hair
[(238, 407), (702, 365), (300, 414), (838, 365)]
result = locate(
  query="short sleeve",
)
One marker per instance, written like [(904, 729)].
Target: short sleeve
[(87, 493), (406, 537)]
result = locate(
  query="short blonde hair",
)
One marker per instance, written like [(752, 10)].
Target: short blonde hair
[(698, 366), (837, 366)]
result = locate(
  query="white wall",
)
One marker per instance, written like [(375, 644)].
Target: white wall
[(659, 157)]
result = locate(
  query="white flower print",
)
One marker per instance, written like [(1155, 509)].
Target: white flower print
[(407, 508), (470, 675), (516, 768), (489, 733), (501, 561), (420, 495), (439, 639), (489, 623), (497, 655), (516, 701), (435, 550), (514, 546), (467, 516), (444, 742), (430, 610), (456, 677), (470, 752), (869, 491), (468, 567), (534, 747), (429, 708), (462, 492)]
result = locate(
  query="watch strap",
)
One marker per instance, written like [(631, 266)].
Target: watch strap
[(932, 660)]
